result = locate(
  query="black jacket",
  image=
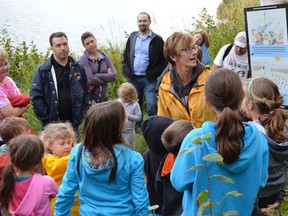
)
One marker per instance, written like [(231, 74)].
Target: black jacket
[(44, 97), (157, 62)]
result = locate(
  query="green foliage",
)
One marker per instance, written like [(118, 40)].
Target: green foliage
[(203, 200)]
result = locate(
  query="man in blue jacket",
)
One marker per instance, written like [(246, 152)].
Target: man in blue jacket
[(60, 90), (144, 62)]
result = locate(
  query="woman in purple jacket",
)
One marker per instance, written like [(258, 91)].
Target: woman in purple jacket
[(98, 67)]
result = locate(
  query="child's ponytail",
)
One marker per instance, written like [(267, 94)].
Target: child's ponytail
[(6, 188)]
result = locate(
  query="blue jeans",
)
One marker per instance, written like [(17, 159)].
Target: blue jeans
[(146, 88)]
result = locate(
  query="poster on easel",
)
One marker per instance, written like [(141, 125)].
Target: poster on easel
[(266, 29)]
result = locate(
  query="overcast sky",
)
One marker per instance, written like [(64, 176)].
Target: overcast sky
[(107, 19)]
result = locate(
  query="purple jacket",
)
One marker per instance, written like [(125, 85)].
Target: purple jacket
[(97, 75)]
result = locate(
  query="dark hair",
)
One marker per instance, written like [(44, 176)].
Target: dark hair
[(266, 98), (12, 127), (102, 129), (144, 14), (26, 152), (223, 90), (173, 135), (86, 35), (56, 35)]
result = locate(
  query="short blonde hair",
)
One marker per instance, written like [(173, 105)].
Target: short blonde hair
[(3, 54), (174, 45), (56, 131), (127, 90)]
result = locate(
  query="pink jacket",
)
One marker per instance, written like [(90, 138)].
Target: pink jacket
[(37, 197)]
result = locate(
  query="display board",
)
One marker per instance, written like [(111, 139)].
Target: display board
[(266, 29)]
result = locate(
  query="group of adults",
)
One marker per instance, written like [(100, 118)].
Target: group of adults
[(63, 89)]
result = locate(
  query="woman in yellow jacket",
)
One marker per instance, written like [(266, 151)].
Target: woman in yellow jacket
[(58, 139), (181, 91)]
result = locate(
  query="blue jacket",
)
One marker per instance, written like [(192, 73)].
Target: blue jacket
[(157, 62), (127, 196), (249, 172), (44, 97)]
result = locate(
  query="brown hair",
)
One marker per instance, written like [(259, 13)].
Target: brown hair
[(204, 34), (102, 130), (12, 127), (26, 152), (173, 135), (55, 131), (223, 90), (174, 44), (127, 90), (266, 98), (86, 35), (3, 54)]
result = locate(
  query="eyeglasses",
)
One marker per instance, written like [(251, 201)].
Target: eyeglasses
[(189, 49)]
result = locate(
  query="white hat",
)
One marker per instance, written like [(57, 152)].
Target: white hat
[(240, 40)]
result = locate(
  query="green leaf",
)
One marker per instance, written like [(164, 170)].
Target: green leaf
[(187, 150), (203, 207), (151, 208), (223, 178), (207, 137), (201, 197), (234, 193), (196, 167), (197, 140), (229, 213), (216, 158)]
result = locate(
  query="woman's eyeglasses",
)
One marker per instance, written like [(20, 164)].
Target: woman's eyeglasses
[(190, 49)]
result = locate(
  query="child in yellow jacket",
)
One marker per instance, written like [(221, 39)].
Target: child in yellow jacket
[(58, 139)]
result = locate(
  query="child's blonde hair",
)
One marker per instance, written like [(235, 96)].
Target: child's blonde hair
[(3, 54), (56, 131), (127, 90), (12, 127)]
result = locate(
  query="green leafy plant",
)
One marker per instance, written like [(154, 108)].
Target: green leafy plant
[(203, 200)]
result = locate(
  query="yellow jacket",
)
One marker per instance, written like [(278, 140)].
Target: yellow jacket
[(170, 106), (56, 167)]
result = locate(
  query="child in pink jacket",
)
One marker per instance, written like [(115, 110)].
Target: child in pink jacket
[(22, 191)]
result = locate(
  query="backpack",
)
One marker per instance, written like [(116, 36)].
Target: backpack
[(227, 51)]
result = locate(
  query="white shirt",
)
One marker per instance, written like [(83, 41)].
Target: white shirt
[(238, 64)]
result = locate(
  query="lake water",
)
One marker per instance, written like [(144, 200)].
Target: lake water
[(109, 20)]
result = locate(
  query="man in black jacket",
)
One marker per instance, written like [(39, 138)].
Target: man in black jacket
[(60, 90), (144, 61)]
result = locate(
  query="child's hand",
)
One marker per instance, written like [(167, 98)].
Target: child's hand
[(269, 208)]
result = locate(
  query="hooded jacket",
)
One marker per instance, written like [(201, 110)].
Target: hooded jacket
[(152, 129), (36, 199), (170, 105), (278, 161), (249, 172), (126, 196), (97, 75)]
